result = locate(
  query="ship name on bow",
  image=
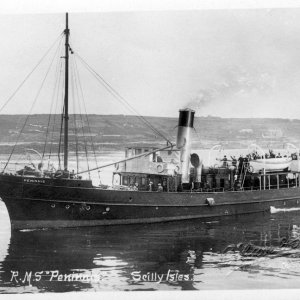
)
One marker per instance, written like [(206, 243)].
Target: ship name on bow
[(31, 180)]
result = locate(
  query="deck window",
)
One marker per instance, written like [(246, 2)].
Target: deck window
[(132, 180), (222, 182)]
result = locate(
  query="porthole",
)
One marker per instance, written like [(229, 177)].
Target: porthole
[(67, 206), (88, 208), (53, 205)]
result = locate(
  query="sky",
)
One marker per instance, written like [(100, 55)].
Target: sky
[(220, 62)]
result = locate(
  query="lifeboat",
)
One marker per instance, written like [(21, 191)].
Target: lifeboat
[(271, 164)]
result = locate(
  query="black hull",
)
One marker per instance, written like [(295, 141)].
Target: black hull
[(50, 203)]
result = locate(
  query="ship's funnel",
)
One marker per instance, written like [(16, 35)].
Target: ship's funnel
[(185, 125)]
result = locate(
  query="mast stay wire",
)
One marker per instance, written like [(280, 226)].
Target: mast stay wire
[(74, 117), (29, 74), (121, 99), (55, 112), (62, 110), (31, 108), (53, 97), (87, 118), (60, 137), (82, 122)]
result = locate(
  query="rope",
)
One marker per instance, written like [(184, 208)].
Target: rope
[(126, 159), (53, 96), (29, 74), (61, 123), (76, 95), (83, 133), (60, 136), (32, 106), (114, 93), (55, 110), (89, 127), (74, 120)]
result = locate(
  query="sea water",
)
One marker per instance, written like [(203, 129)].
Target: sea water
[(186, 255)]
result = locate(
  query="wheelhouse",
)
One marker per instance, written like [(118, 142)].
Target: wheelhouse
[(153, 170)]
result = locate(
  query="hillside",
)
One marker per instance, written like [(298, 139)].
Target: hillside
[(112, 132)]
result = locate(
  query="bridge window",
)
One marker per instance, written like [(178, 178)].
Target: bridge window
[(138, 151), (131, 180)]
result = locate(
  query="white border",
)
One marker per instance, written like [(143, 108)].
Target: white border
[(55, 6)]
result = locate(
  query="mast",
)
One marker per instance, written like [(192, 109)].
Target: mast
[(66, 101)]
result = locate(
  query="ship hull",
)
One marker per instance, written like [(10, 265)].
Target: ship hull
[(44, 204)]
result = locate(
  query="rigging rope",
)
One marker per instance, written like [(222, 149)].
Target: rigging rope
[(55, 111), (127, 159), (30, 73), (78, 87), (31, 108), (89, 127), (60, 136), (82, 128), (74, 120), (114, 93), (61, 122), (53, 96)]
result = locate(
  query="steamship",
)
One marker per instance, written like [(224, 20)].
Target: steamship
[(153, 185)]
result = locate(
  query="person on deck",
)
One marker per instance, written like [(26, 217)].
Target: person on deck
[(150, 186), (234, 161), (241, 159), (225, 164), (246, 162), (159, 188), (40, 170), (136, 187)]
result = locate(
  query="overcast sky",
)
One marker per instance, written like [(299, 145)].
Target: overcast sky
[(228, 63)]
